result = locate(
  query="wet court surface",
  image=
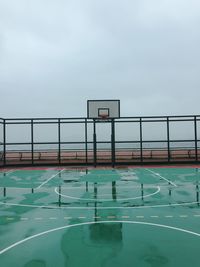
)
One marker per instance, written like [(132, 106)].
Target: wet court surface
[(99, 217)]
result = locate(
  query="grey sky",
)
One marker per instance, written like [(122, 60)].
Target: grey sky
[(54, 55)]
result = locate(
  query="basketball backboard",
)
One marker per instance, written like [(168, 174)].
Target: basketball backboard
[(103, 109)]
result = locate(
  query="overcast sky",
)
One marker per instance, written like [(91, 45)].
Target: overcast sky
[(56, 54)]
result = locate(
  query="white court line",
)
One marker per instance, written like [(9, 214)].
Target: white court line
[(10, 219), (101, 208), (102, 187), (10, 171), (24, 219), (53, 176), (99, 217), (108, 199), (89, 223), (157, 174)]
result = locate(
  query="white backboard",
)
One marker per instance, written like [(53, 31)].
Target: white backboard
[(96, 108)]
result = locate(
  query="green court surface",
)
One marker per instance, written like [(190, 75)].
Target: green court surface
[(144, 217)]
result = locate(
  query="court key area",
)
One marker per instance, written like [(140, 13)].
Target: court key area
[(100, 217)]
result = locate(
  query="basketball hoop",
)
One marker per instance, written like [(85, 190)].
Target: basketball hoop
[(103, 117)]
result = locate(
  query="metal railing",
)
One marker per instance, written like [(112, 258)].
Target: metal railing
[(82, 141), (1, 141)]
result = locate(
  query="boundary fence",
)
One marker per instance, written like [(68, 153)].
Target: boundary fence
[(83, 141)]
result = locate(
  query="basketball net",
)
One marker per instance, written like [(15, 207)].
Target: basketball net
[(104, 116)]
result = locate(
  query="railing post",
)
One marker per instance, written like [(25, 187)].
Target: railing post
[(94, 143), (59, 145), (141, 141), (86, 142), (32, 143), (168, 140), (113, 141), (195, 138), (4, 142)]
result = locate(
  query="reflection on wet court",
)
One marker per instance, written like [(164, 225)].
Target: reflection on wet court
[(99, 217)]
